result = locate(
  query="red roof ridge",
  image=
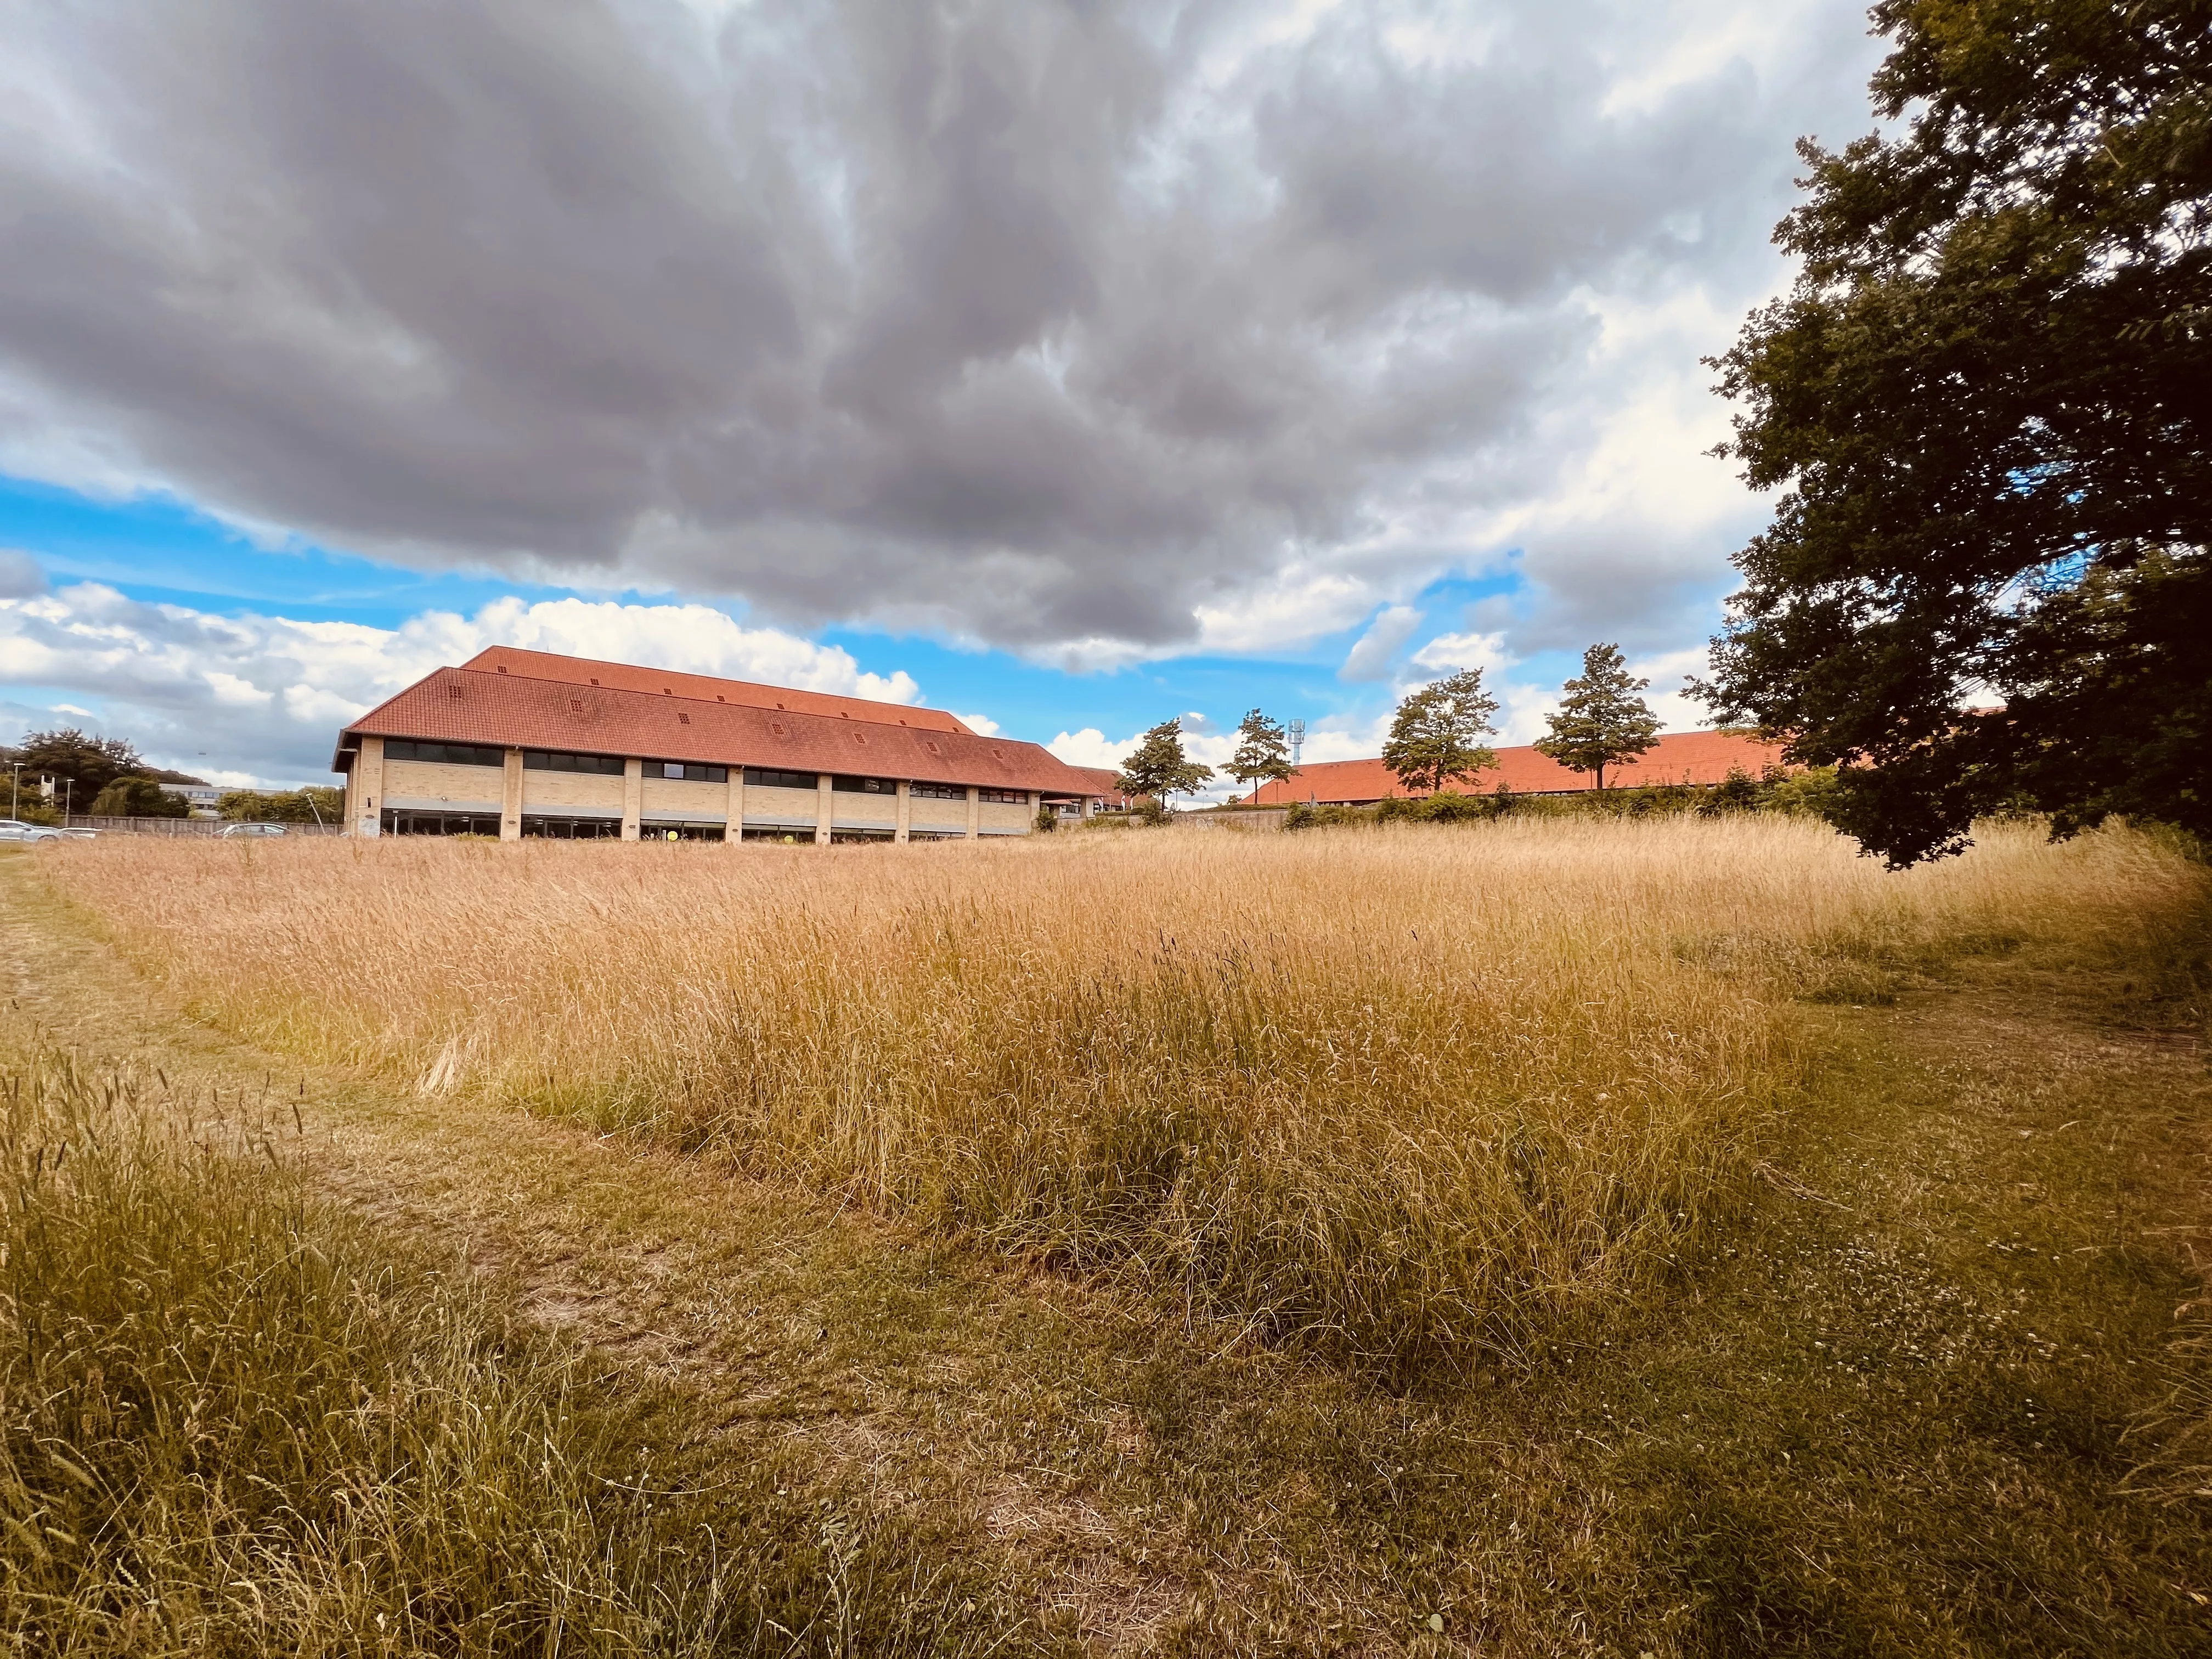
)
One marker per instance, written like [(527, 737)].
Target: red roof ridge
[(522, 663)]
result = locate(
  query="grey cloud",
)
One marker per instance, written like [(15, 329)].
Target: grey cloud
[(19, 576), (1370, 655), (1026, 321)]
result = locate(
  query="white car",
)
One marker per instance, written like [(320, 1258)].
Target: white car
[(17, 830), (238, 831)]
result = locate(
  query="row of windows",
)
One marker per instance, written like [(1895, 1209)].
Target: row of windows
[(444, 754), (538, 760), (688, 771), (542, 760)]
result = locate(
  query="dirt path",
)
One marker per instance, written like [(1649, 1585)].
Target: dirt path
[(873, 1354)]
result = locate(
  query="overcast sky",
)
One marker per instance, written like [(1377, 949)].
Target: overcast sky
[(1070, 365)]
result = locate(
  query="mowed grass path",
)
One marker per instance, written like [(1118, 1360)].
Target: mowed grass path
[(1886, 1411)]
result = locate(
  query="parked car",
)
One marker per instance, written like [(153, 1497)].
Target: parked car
[(230, 831), (80, 833), (17, 830)]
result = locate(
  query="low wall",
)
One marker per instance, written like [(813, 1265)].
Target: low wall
[(181, 826)]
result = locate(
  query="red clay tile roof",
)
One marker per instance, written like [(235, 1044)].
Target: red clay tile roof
[(1678, 758), (1103, 782), (626, 677), (468, 705)]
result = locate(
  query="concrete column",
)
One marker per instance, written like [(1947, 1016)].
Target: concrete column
[(368, 768), (1085, 807), (633, 796), (736, 830), (975, 815), (905, 812), (1037, 806), (824, 807), (510, 806)]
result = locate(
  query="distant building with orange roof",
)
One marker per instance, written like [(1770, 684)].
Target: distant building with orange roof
[(1697, 757), (517, 744)]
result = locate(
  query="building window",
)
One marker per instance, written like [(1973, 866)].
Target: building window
[(687, 771), (866, 785), (553, 828), (937, 792), (1006, 796), (762, 778), (404, 822), (443, 754), (540, 760)]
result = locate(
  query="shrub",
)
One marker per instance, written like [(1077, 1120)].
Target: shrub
[(139, 798)]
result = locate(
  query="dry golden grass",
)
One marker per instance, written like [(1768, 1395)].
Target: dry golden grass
[(1405, 1096)]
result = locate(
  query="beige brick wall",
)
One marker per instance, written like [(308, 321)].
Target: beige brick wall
[(571, 789), (701, 802), (472, 786), (851, 807), (936, 817), (780, 805), (999, 817)]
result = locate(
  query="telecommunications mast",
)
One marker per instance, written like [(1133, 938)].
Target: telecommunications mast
[(1296, 731)]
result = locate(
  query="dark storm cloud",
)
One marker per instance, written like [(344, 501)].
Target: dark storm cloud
[(1039, 322)]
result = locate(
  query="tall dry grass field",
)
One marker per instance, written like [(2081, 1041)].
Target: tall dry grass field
[(1405, 1095)]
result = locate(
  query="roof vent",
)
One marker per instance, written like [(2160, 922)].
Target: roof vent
[(718, 697), (844, 714), (576, 705), (779, 705), (502, 669), (665, 692), (684, 719), (931, 745), (776, 727), (454, 692), (861, 738), (594, 682)]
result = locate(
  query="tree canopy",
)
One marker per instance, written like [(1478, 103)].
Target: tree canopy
[(1985, 403), (1159, 767), (1600, 720), (1265, 753), (89, 763), (1437, 734), (137, 798), (316, 804)]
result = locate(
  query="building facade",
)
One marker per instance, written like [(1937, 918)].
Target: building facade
[(517, 744)]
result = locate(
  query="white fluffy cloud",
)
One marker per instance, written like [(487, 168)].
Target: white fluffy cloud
[(252, 698)]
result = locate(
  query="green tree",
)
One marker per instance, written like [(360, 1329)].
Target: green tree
[(1159, 767), (1437, 734), (1264, 755), (1985, 402), (318, 803), (1600, 721), (86, 764), (137, 798)]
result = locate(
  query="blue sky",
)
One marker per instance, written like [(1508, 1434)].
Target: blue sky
[(1069, 367)]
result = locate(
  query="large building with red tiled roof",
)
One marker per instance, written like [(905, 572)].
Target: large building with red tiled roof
[(1702, 757), (523, 743)]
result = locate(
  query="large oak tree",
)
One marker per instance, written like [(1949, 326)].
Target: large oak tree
[(1985, 403)]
